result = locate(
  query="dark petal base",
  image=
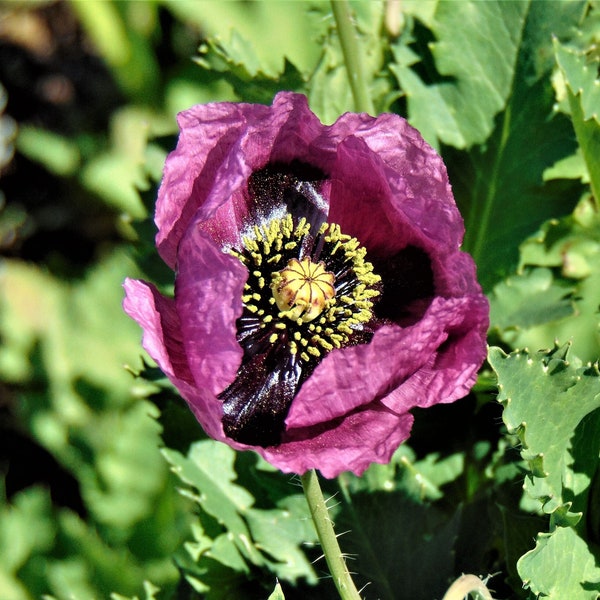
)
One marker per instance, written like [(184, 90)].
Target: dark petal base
[(408, 282), (256, 404), (293, 188)]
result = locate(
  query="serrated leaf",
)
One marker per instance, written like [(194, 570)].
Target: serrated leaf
[(218, 495), (530, 298), (420, 480), (561, 566), (239, 531), (271, 30), (242, 70), (580, 71), (279, 534), (550, 403), (475, 76), (519, 530), (583, 83)]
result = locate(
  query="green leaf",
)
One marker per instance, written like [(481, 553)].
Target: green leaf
[(499, 186), (231, 535), (118, 175), (571, 167), (277, 594), (583, 83), (217, 494), (421, 480), (150, 591), (526, 300), (26, 531), (270, 30), (552, 404), (474, 76), (402, 549), (122, 33), (238, 66), (561, 566), (65, 343), (569, 252), (279, 533), (56, 153)]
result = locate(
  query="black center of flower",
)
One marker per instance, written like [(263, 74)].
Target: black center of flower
[(308, 292)]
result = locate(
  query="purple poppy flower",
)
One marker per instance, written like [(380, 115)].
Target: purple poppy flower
[(320, 293)]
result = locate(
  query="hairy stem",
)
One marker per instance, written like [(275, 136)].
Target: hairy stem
[(331, 549), (467, 584), (352, 56)]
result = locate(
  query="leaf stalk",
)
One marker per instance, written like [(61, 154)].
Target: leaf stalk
[(352, 56)]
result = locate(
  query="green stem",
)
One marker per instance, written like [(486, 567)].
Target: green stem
[(352, 56), (331, 549)]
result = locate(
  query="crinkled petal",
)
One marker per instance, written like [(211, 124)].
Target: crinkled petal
[(208, 299), (220, 144), (159, 320), (352, 444), (451, 371), (359, 375), (207, 133), (416, 174)]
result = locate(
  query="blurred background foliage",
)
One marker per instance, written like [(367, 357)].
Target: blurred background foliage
[(90, 89)]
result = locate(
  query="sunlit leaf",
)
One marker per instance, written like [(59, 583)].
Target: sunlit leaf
[(552, 403), (560, 300), (583, 82), (277, 594), (561, 566), (475, 77), (529, 299), (270, 30), (56, 153)]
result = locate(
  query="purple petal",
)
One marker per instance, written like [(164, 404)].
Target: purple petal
[(359, 375), (416, 174), (385, 186), (159, 320), (352, 444), (219, 146), (208, 298)]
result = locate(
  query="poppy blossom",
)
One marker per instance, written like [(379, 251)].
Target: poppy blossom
[(320, 289)]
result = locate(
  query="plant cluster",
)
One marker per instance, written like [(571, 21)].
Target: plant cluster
[(112, 488)]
